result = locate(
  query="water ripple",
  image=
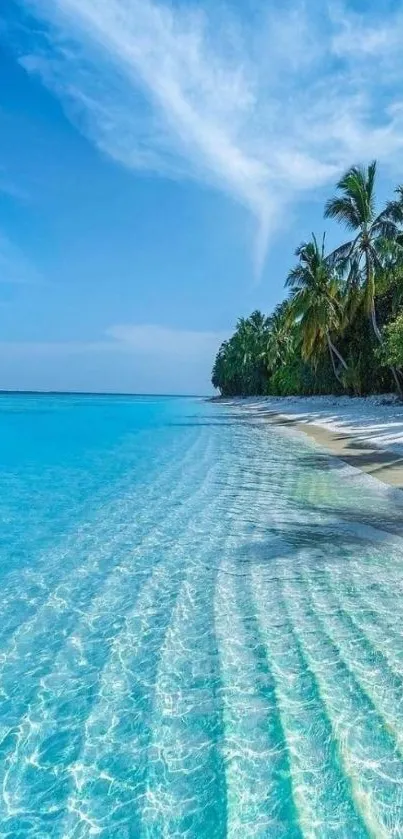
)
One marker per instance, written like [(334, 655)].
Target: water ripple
[(213, 646)]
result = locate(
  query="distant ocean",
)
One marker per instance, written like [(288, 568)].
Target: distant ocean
[(201, 627)]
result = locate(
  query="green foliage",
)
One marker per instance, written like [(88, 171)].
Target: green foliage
[(392, 351), (240, 366), (298, 377), (341, 329)]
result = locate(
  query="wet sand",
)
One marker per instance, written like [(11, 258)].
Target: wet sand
[(383, 464)]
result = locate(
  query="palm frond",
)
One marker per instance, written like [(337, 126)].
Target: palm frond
[(370, 186), (385, 227), (343, 209), (337, 258), (301, 248), (394, 209), (355, 206)]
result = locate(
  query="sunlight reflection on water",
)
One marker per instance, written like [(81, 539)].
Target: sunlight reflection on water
[(202, 637)]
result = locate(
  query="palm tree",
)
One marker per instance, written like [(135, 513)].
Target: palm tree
[(389, 279), (279, 340), (355, 208), (394, 213), (250, 332), (391, 252), (238, 367), (250, 338), (316, 304)]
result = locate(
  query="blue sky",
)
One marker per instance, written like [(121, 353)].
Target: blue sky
[(160, 162)]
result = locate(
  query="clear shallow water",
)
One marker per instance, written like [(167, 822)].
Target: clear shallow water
[(200, 628)]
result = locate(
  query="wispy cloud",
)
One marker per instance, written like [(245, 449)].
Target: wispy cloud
[(142, 340), (363, 36), (263, 108), (165, 341), (127, 357)]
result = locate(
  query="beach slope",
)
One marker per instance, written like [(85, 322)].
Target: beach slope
[(365, 433)]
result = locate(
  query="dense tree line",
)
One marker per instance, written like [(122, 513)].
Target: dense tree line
[(340, 330)]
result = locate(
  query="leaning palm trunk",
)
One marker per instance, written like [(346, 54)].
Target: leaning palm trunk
[(375, 326), (395, 374), (354, 206), (333, 352), (337, 354)]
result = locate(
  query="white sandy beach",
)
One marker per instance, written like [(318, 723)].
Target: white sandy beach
[(366, 433), (375, 421)]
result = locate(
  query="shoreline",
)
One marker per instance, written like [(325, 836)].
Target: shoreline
[(382, 464), (366, 434)]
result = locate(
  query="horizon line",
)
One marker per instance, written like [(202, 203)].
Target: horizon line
[(98, 393)]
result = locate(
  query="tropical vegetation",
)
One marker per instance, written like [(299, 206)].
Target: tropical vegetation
[(340, 329)]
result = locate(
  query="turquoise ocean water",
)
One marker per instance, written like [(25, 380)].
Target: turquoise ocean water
[(201, 626)]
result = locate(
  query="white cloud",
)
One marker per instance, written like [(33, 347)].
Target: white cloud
[(262, 108), (149, 341), (366, 36), (135, 358), (159, 340), (154, 93)]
